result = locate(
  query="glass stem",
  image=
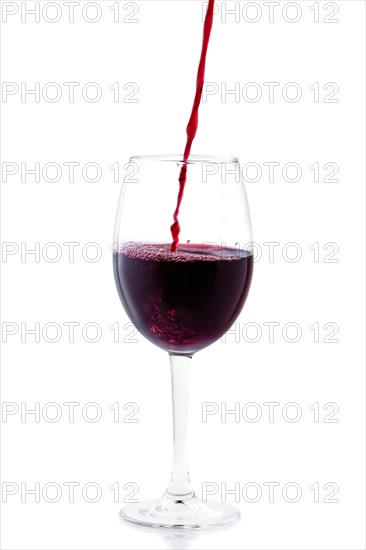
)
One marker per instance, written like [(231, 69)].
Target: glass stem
[(180, 485)]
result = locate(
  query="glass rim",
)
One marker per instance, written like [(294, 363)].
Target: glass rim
[(193, 159)]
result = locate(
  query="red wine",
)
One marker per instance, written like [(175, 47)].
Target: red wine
[(193, 121), (182, 301)]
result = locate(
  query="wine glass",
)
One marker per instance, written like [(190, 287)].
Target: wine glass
[(185, 300)]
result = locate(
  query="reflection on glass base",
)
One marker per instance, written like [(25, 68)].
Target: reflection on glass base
[(180, 514)]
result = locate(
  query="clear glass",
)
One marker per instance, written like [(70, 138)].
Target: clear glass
[(182, 301)]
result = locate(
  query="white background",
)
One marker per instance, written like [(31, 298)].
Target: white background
[(159, 53)]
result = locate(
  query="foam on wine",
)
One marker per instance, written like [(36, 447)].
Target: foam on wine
[(186, 253)]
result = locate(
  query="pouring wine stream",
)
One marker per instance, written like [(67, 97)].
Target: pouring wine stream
[(193, 121)]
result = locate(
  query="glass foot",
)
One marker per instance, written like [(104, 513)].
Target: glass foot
[(191, 513)]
